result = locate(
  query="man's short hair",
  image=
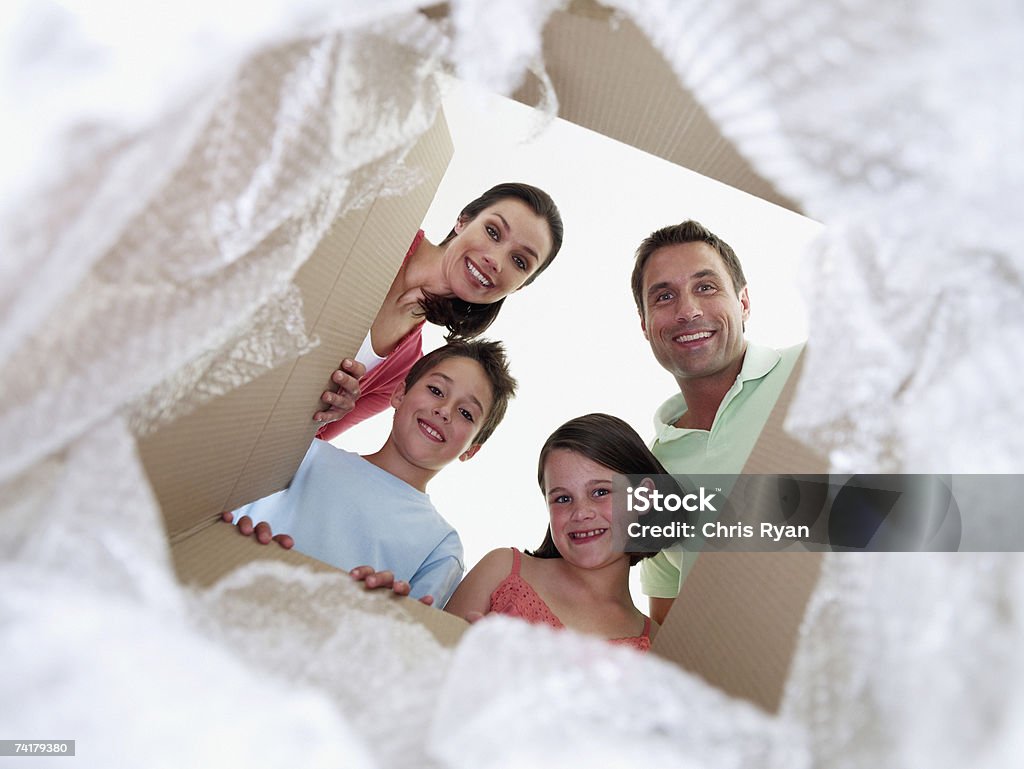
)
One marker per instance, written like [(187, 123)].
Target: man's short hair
[(676, 234), (492, 359)]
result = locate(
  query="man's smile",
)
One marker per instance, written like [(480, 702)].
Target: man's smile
[(695, 336)]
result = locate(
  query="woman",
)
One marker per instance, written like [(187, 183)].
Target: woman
[(501, 242)]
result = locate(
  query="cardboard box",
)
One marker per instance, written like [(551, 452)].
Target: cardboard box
[(248, 443), (606, 73), (736, 621), (737, 617)]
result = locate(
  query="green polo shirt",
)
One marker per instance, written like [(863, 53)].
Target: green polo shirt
[(723, 449)]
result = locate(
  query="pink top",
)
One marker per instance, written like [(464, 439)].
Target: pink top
[(376, 388), (517, 598)]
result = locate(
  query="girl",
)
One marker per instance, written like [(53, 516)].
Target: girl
[(575, 578), (501, 242)]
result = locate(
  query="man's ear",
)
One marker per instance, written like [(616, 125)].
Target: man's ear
[(745, 304), (470, 452), (643, 326), (398, 395)]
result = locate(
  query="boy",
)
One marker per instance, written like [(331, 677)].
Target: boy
[(348, 510)]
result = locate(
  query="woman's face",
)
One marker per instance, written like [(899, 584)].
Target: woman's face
[(579, 497), (493, 254)]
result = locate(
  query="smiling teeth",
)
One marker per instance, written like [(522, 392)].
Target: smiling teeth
[(586, 534), (693, 337), (478, 275), (431, 431)]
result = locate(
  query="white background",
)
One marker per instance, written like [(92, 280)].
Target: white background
[(573, 337)]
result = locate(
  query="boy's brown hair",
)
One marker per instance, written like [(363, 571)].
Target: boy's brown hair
[(492, 359)]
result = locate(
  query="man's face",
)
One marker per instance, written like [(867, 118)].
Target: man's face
[(692, 315)]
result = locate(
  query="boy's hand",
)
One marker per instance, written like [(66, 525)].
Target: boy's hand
[(261, 530), (343, 400), (374, 579)]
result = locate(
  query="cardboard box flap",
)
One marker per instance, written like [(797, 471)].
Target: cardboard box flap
[(248, 443), (737, 618), (610, 79), (776, 450)]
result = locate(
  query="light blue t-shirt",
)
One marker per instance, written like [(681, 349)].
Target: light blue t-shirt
[(345, 511)]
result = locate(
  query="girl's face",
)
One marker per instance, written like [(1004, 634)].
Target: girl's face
[(493, 254), (579, 496)]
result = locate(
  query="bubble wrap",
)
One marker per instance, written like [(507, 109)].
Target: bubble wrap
[(321, 630), (101, 644), (523, 695), (911, 660), (140, 234), (898, 126), (240, 185)]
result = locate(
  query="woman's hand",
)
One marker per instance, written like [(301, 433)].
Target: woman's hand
[(343, 399), (374, 579), (261, 531)]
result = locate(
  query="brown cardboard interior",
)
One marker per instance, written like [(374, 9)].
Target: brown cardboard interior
[(606, 73), (736, 619), (735, 623), (248, 443)]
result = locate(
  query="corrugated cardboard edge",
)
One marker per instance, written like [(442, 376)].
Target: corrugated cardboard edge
[(248, 443), (736, 621), (737, 618)]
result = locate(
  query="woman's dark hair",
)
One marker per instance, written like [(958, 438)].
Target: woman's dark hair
[(604, 439), (468, 319)]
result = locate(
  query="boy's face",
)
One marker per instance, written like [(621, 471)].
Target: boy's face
[(438, 418)]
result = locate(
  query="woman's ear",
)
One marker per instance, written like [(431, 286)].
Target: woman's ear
[(460, 223)]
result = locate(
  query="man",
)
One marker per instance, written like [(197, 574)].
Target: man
[(692, 298)]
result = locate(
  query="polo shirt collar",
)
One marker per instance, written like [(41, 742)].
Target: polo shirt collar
[(758, 360)]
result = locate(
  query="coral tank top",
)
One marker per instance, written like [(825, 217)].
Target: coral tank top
[(515, 597)]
